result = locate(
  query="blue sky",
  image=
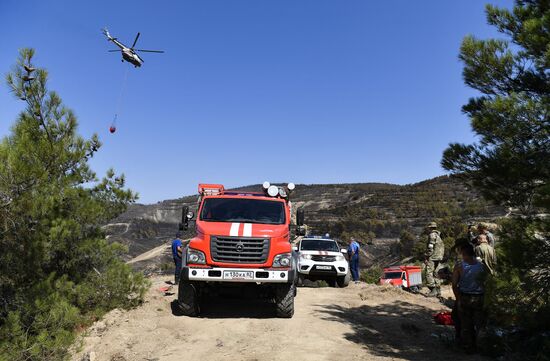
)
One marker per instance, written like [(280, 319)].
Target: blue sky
[(309, 91)]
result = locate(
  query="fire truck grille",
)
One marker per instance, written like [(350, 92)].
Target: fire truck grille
[(239, 250), (323, 258)]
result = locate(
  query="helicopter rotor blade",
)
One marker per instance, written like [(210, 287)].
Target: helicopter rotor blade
[(150, 51), (112, 51), (135, 41)]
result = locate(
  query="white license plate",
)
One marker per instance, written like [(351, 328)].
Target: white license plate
[(238, 275), (324, 267)]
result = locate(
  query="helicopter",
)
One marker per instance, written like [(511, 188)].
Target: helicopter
[(129, 54)]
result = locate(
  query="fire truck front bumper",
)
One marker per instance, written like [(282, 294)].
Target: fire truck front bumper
[(255, 275)]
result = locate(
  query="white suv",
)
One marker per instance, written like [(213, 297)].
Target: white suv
[(322, 259)]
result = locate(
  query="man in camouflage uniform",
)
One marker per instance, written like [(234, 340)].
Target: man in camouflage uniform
[(486, 254), (434, 255), (483, 229)]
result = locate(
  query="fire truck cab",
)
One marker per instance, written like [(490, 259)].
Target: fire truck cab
[(241, 238)]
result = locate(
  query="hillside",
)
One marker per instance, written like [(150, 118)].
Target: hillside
[(340, 209)]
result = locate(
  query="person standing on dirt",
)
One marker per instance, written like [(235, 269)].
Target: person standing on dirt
[(435, 250), (353, 254), (468, 288), (456, 250), (177, 249)]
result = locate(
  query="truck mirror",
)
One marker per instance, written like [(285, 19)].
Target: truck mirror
[(190, 215), (344, 251), (300, 217), (184, 225)]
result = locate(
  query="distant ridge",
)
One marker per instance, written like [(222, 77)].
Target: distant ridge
[(383, 208)]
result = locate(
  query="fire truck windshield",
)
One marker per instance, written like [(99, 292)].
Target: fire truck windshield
[(392, 275), (243, 210)]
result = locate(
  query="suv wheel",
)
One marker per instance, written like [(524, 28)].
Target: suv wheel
[(284, 300), (343, 281)]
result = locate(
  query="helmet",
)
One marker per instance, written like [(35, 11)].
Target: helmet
[(432, 225)]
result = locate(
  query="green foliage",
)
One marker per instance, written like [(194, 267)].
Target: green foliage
[(321, 283), (521, 292), (57, 271), (509, 163), (406, 241), (361, 236), (371, 275)]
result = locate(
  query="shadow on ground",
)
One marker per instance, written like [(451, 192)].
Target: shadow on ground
[(397, 330), (232, 307)]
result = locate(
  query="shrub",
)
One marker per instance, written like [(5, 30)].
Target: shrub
[(57, 271), (371, 275)]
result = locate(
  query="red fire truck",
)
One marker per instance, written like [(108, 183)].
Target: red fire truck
[(406, 277), (241, 238)]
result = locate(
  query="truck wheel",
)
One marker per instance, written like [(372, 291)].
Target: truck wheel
[(188, 299), (343, 281), (284, 300)]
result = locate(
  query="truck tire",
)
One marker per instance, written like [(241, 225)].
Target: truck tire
[(284, 300), (188, 299), (331, 282), (343, 281)]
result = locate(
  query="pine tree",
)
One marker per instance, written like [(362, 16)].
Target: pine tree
[(511, 117), (509, 163), (56, 268)]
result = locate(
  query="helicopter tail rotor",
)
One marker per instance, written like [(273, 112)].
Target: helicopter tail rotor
[(105, 32)]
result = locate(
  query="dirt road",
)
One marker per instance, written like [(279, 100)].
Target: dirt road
[(361, 322)]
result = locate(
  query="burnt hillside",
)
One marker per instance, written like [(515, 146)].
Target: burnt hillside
[(379, 209)]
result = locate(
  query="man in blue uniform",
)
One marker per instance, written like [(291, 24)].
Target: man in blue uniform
[(353, 254), (177, 249)]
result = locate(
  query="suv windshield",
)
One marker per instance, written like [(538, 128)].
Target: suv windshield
[(243, 210), (318, 245)]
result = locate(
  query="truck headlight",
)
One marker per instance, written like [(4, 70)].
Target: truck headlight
[(340, 258), (305, 256), (195, 256), (282, 260)]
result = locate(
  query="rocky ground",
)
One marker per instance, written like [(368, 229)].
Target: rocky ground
[(361, 322)]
